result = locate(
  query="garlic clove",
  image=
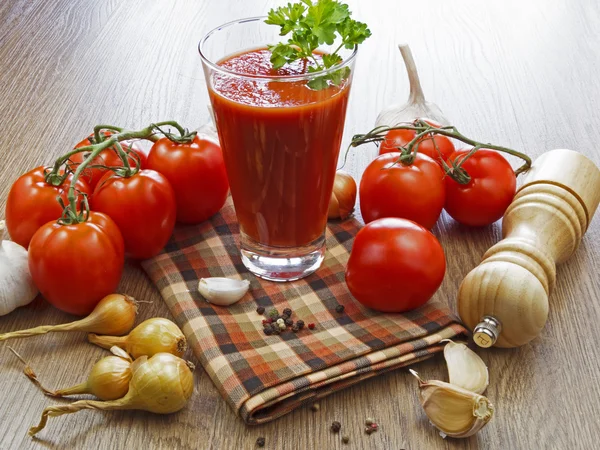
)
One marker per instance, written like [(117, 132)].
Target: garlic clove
[(416, 106), (223, 291), (455, 411), (465, 368)]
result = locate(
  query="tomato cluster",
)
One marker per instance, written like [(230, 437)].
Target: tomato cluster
[(396, 263), (133, 211)]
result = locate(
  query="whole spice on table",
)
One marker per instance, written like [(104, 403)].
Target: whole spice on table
[(300, 324), (311, 326), (273, 314), (260, 442), (161, 384), (465, 368), (157, 335), (340, 308), (336, 426), (315, 407), (455, 411), (108, 379), (16, 286), (287, 312), (260, 310), (114, 314), (345, 439), (289, 322), (223, 291)]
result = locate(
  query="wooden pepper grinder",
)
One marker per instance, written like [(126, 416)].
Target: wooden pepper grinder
[(505, 299)]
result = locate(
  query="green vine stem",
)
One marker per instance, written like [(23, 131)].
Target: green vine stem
[(422, 129), (70, 214)]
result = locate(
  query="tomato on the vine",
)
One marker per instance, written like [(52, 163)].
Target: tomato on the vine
[(108, 157), (75, 266), (487, 195), (196, 171), (435, 146), (395, 265), (32, 202), (390, 188), (142, 206)]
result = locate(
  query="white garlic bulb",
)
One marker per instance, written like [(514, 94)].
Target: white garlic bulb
[(16, 286), (416, 107)]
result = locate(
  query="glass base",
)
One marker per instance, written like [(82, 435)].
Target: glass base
[(282, 263)]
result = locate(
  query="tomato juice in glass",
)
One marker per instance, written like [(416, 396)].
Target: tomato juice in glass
[(281, 141)]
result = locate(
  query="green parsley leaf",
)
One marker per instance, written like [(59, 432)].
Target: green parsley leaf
[(313, 23)]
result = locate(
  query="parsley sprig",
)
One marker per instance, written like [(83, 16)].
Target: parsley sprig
[(313, 24)]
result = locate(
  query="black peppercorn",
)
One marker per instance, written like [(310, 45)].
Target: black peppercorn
[(268, 331), (289, 322), (287, 312), (336, 426), (300, 323), (276, 330), (295, 328), (340, 308), (345, 439), (260, 310), (260, 442)]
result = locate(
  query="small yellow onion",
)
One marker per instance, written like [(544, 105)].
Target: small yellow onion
[(114, 314), (161, 384), (157, 335), (343, 197), (108, 379)]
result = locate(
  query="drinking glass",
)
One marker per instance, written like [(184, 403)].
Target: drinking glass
[(281, 137)]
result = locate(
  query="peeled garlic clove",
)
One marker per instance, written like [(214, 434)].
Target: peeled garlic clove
[(465, 368), (223, 291), (456, 412)]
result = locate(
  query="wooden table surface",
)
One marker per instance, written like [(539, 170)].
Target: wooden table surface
[(520, 74)]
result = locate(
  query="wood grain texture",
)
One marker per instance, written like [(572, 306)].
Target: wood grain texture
[(520, 74)]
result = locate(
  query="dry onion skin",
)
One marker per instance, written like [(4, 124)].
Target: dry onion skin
[(343, 196), (114, 314), (108, 380), (157, 335), (161, 384)]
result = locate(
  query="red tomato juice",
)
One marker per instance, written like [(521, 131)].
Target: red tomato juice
[(281, 142)]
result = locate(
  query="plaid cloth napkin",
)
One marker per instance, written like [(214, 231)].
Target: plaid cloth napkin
[(264, 377)]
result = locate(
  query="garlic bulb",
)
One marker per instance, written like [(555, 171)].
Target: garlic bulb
[(16, 286), (416, 107), (223, 291), (456, 412), (465, 368)]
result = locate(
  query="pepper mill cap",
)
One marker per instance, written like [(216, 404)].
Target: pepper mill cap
[(572, 171), (487, 331)]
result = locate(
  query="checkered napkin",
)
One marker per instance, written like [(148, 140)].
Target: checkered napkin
[(264, 377)]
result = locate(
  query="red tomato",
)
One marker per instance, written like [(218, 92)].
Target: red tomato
[(76, 266), (197, 174), (143, 207), (426, 145), (108, 157), (32, 202), (392, 189), (485, 198), (395, 265)]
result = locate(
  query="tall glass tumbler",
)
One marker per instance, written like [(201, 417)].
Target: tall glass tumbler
[(280, 131)]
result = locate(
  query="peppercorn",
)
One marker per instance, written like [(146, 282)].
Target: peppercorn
[(374, 426), (276, 331), (260, 442), (269, 320), (287, 312), (340, 308), (266, 323), (369, 430), (282, 326), (369, 421), (289, 322), (273, 313), (280, 322), (315, 407), (311, 326), (295, 328), (345, 439), (300, 324), (336, 426), (260, 310), (268, 331)]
